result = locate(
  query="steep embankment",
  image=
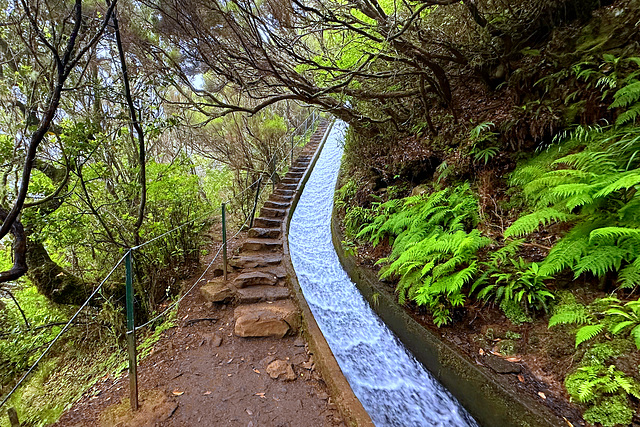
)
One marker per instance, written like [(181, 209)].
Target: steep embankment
[(512, 229)]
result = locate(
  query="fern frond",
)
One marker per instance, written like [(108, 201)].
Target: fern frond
[(529, 223), (635, 334), (600, 261), (613, 232), (629, 276), (626, 95), (588, 332), (628, 116), (570, 314), (625, 181), (589, 161)]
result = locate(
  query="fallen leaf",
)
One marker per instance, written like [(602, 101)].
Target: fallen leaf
[(513, 359), (520, 378), (185, 317), (481, 351), (178, 393), (542, 395), (260, 394), (228, 375), (256, 371), (206, 393), (568, 422)]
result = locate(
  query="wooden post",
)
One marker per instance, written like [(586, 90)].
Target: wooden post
[(131, 335), (13, 417)]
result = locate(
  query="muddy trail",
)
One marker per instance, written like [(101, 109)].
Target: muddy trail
[(237, 356)]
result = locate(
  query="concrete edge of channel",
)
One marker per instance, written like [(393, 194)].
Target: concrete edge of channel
[(350, 407), (490, 401)]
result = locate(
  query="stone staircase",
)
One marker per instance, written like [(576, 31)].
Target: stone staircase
[(256, 281)]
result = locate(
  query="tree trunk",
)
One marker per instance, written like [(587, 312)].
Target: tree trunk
[(51, 280)]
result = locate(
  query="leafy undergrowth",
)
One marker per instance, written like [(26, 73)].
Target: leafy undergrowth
[(554, 244), (89, 352)]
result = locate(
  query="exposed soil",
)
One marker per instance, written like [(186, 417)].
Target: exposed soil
[(200, 372)]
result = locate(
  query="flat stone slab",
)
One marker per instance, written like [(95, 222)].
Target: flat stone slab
[(266, 319), (253, 260), (268, 233), (277, 270), (254, 294), (272, 212), (255, 278), (217, 291), (261, 222), (261, 245), (276, 205)]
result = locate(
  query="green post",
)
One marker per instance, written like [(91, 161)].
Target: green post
[(224, 242), (131, 335), (255, 203)]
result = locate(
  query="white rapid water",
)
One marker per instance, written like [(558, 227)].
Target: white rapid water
[(392, 385)]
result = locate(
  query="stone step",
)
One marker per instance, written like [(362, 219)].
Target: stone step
[(262, 222), (255, 278), (276, 270), (266, 319), (276, 205), (217, 290), (290, 181), (255, 259), (295, 169), (288, 186), (281, 198), (272, 212), (255, 294), (269, 233), (269, 245)]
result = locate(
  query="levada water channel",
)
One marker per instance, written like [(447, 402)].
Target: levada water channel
[(394, 388)]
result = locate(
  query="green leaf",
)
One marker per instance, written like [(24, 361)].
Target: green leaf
[(588, 332)]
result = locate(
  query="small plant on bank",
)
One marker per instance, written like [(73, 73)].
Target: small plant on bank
[(522, 284), (603, 314), (605, 391)]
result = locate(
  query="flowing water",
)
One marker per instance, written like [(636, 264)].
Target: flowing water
[(394, 388)]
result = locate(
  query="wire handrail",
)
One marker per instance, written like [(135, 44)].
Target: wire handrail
[(64, 329), (126, 258)]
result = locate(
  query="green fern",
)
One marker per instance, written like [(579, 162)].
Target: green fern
[(588, 332), (570, 314), (626, 96), (433, 254), (529, 223)]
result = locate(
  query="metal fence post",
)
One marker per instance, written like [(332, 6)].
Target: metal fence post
[(131, 335), (255, 203), (224, 242), (291, 149)]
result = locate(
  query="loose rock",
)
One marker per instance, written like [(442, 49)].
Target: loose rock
[(280, 369)]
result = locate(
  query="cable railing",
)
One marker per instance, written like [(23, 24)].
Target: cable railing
[(289, 140)]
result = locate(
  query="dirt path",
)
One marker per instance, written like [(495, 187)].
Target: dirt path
[(218, 372)]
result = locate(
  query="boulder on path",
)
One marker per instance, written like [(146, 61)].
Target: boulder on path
[(279, 369), (217, 291), (266, 319)]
